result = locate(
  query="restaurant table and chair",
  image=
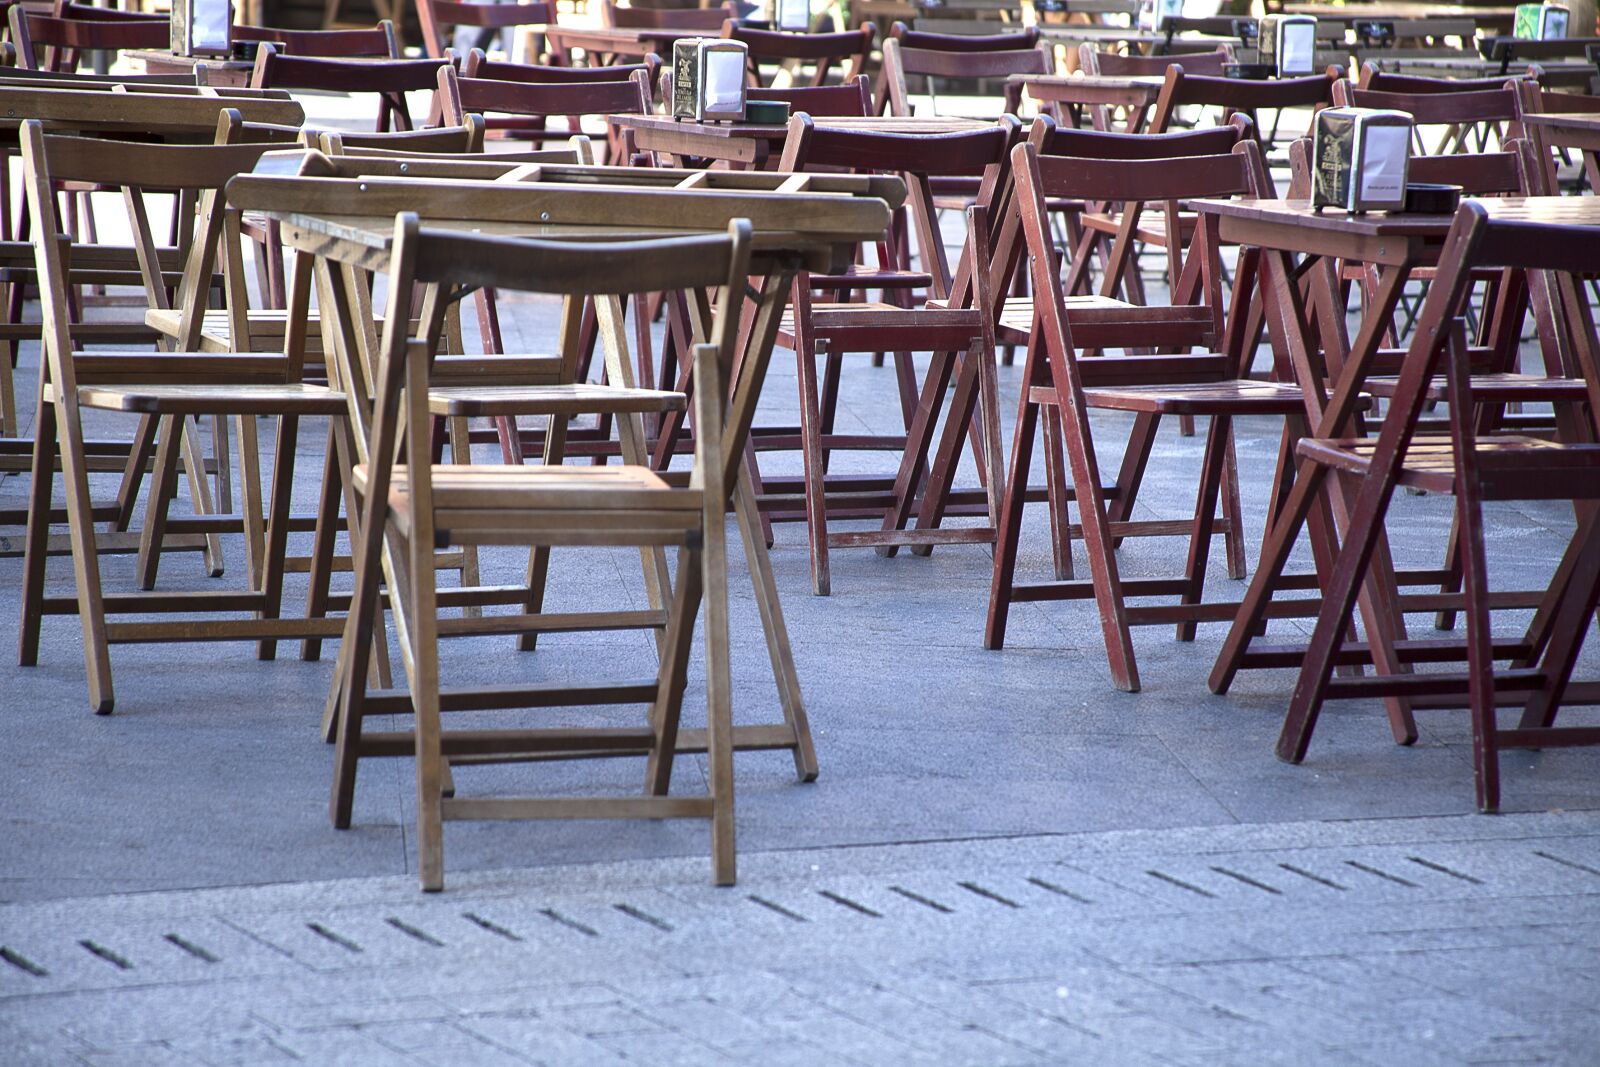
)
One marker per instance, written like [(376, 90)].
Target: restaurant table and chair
[(700, 248)]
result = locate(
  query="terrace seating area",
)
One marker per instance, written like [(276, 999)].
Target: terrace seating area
[(451, 451)]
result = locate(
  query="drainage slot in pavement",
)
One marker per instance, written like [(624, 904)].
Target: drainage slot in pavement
[(329, 935), (1247, 880), (492, 927), (1308, 875), (644, 916), (414, 933), (96, 949), (1060, 891), (23, 963), (771, 905), (193, 949), (572, 924), (988, 894), (846, 902), (1163, 876), (1442, 869), (926, 902), (1395, 878), (1574, 864)]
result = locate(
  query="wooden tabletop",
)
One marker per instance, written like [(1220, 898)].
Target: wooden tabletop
[(219, 71), (1091, 88)]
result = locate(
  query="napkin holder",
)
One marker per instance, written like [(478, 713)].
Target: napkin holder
[(1153, 14), (708, 79), (1247, 30), (1374, 33), (1540, 22), (1289, 43), (1359, 159), (791, 16), (202, 28)]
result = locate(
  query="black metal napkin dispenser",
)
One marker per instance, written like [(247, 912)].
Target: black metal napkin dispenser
[(708, 79), (1359, 159), (202, 27)]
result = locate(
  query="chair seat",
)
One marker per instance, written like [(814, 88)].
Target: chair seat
[(1530, 388), (582, 398), (289, 398), (1152, 224), (267, 328), (1104, 322), (862, 276), (1510, 467), (925, 329), (534, 504), (1237, 397)]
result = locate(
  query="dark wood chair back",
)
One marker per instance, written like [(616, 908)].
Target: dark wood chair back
[(439, 17), (43, 42), (640, 18), (1238, 96), (969, 68), (379, 41), (853, 99), (390, 79), (1116, 65), (821, 52), (573, 101)]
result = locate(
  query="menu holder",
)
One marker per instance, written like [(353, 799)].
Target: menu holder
[(708, 79), (793, 16), (1153, 14), (1289, 43), (1359, 159), (202, 28), (1541, 22)]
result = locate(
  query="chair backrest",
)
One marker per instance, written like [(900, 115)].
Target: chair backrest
[(135, 169), (177, 115), (440, 263), (639, 18), (1545, 145), (479, 65), (1196, 284), (820, 51), (455, 141), (853, 99), (379, 41), (390, 79), (1471, 108), (1020, 41), (573, 101), (901, 63), (1114, 64), (1239, 95), (44, 42), (439, 17), (918, 158)]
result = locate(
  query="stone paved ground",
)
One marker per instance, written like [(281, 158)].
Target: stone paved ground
[(1003, 861)]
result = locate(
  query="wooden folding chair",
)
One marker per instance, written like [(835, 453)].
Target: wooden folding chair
[(925, 59), (440, 18), (791, 53), (1556, 235), (1178, 383), (389, 79), (409, 510), (832, 329), (167, 390)]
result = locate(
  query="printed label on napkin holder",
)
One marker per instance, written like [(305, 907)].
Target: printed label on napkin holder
[(1289, 43)]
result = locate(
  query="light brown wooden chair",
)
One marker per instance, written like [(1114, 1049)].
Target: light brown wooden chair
[(412, 507), (167, 390)]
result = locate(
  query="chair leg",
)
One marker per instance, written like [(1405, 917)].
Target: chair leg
[(250, 498), (36, 545), (1219, 436), (163, 487), (1008, 533), (719, 701), (85, 558), (461, 452), (320, 570), (816, 477), (143, 447), (1058, 490), (277, 546), (673, 673), (194, 465), (425, 707)]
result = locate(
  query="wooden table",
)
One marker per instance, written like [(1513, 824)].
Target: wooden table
[(1074, 92), (1397, 245), (811, 225), (605, 45), (1495, 18), (1580, 131), (754, 145), (233, 73)]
